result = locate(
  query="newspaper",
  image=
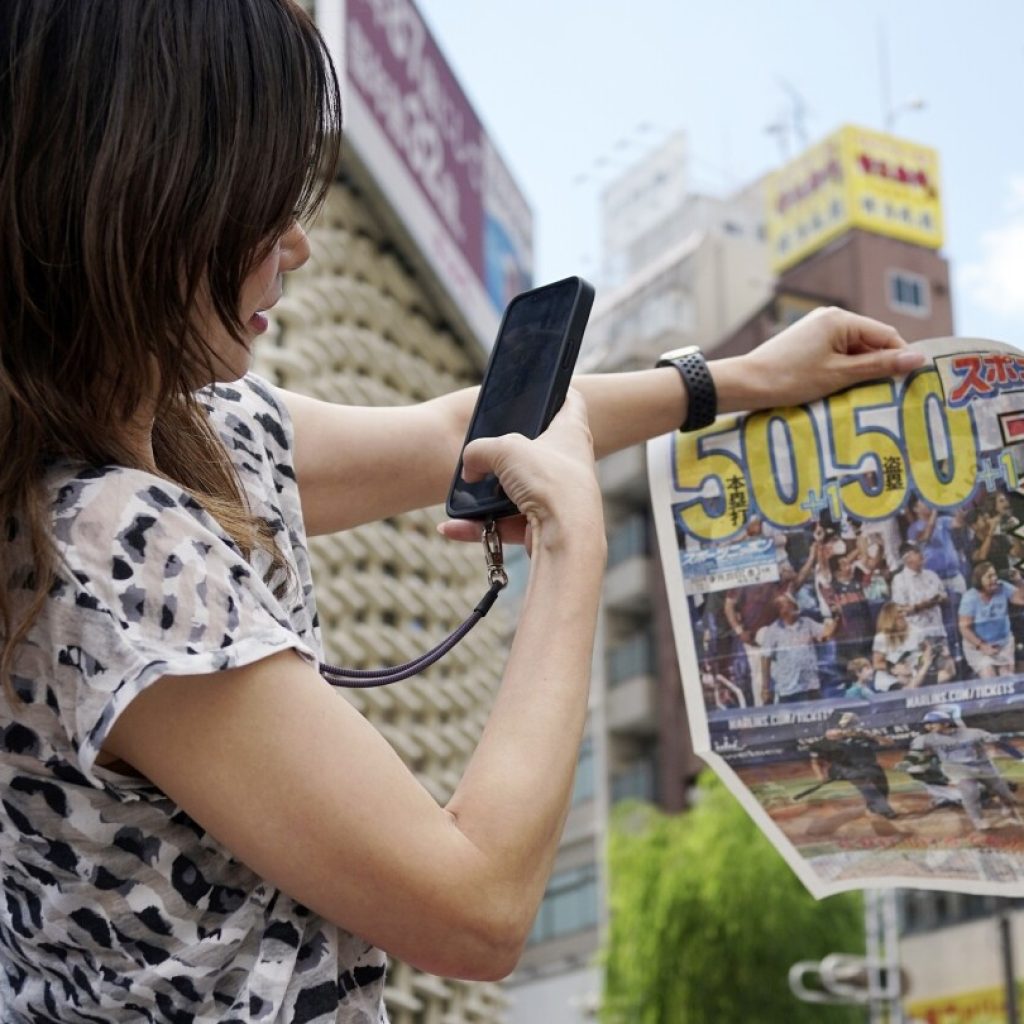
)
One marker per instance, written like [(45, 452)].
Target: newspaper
[(849, 616)]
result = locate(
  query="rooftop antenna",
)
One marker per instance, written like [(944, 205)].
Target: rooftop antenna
[(883, 74), (798, 110), (891, 111), (780, 129)]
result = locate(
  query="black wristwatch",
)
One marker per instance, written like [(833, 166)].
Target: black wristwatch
[(702, 399)]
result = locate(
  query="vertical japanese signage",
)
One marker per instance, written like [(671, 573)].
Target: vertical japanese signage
[(410, 122), (854, 178)]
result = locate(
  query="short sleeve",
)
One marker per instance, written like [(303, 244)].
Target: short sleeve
[(968, 605), (150, 586), (817, 629)]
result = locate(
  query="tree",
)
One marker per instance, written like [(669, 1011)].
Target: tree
[(707, 918)]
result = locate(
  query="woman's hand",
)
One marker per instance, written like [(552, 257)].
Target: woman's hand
[(823, 352), (552, 481)]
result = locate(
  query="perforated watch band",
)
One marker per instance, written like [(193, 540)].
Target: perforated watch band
[(702, 399)]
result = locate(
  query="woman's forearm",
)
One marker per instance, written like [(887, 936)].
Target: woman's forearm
[(627, 408), (513, 798), (356, 465)]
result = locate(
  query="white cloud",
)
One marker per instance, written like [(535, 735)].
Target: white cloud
[(995, 283)]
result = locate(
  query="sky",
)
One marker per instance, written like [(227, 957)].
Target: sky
[(572, 91)]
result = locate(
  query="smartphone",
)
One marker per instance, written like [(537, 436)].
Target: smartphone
[(525, 382)]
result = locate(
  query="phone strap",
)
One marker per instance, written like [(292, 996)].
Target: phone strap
[(363, 678)]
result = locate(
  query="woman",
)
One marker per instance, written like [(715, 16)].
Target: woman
[(892, 640), (194, 823), (985, 622), (902, 662)]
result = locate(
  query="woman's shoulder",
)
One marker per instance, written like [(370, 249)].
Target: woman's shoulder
[(249, 417), (114, 527), (105, 499)]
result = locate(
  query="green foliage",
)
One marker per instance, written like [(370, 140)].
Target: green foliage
[(707, 919)]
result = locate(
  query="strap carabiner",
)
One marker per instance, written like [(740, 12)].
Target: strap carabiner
[(494, 555)]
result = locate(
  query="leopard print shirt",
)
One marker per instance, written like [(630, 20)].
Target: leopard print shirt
[(117, 906)]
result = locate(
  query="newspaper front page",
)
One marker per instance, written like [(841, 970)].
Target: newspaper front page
[(849, 617)]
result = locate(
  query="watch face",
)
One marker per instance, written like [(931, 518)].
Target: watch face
[(679, 353)]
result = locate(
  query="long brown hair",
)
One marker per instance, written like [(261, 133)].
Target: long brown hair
[(151, 151), (889, 624)]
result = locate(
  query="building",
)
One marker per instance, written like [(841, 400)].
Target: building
[(854, 222), (686, 267), (638, 207), (399, 301), (955, 950), (689, 280)]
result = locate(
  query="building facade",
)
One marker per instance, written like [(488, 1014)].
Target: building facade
[(955, 950), (884, 278)]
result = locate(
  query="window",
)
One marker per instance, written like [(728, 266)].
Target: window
[(570, 904), (583, 784), (633, 658), (638, 781), (629, 540), (908, 293)]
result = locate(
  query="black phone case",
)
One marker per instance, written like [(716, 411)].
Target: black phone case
[(569, 345)]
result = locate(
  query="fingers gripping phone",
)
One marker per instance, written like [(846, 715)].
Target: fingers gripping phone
[(525, 382)]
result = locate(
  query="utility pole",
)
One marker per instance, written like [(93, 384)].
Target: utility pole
[(1009, 978), (881, 930)]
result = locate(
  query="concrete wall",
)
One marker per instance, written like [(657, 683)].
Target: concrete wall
[(854, 269)]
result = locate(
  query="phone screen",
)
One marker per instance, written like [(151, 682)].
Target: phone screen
[(520, 376)]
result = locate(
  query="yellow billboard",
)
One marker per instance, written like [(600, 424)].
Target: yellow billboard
[(854, 178), (987, 1006)]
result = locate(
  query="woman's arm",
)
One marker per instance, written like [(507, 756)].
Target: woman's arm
[(808, 567), (357, 464), (299, 787), (923, 665)]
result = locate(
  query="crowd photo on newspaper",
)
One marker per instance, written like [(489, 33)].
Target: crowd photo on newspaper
[(861, 609)]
